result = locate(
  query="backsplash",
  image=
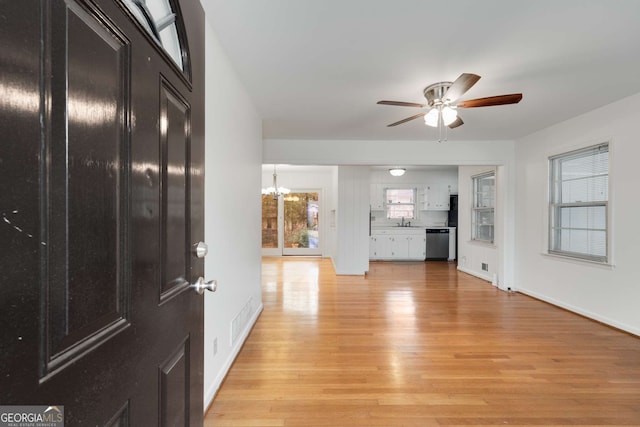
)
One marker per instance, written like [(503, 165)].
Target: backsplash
[(426, 218)]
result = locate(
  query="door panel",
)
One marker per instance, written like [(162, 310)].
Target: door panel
[(121, 418), (175, 153), (83, 226), (102, 201), (174, 388)]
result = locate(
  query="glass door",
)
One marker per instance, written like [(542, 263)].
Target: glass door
[(301, 223), (271, 237), (291, 224)]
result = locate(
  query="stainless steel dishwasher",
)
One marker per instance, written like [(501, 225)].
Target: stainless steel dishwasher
[(437, 244)]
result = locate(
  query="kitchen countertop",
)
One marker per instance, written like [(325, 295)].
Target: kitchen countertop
[(408, 230), (413, 227)]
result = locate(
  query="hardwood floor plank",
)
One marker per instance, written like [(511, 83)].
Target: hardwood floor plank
[(420, 344)]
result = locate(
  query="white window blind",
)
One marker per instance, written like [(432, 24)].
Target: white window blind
[(400, 203), (579, 200), (483, 215)]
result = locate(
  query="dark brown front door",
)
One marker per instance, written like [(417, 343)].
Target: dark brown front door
[(101, 204)]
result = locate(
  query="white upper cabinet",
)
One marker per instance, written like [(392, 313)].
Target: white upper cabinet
[(377, 197), (435, 197)]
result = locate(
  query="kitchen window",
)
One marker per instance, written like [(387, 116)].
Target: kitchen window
[(400, 203), (483, 214), (579, 203)]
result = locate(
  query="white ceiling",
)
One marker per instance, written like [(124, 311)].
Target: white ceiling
[(315, 69)]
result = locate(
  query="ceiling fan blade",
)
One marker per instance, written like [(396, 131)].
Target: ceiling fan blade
[(401, 104), (407, 119), (457, 122), (489, 101), (460, 86)]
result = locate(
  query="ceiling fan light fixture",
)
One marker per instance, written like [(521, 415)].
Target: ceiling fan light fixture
[(431, 118), (449, 115), (443, 98), (397, 171)]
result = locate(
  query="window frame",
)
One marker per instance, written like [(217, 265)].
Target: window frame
[(156, 29), (555, 207), (479, 211), (388, 204)]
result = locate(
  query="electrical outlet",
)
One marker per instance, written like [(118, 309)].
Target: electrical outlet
[(215, 346)]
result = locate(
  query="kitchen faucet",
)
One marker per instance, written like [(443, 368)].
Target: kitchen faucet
[(404, 224)]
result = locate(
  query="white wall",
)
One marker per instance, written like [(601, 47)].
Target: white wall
[(310, 178), (233, 157), (608, 294), (332, 238), (352, 249), (407, 153)]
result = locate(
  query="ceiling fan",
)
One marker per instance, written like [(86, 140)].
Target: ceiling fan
[(443, 102)]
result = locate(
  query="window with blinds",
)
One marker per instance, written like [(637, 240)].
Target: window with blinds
[(579, 203), (400, 203), (482, 215)]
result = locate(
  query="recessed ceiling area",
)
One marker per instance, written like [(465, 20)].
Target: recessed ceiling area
[(315, 69)]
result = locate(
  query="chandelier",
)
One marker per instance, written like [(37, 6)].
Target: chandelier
[(274, 190)]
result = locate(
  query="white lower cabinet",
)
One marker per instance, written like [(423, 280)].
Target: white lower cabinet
[(399, 247), (418, 246), (401, 244), (379, 247)]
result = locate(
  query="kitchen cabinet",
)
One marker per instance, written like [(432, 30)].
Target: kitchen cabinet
[(397, 244), (377, 197), (435, 197), (379, 247), (399, 247), (417, 246)]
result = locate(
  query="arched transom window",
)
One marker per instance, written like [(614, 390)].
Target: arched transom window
[(161, 19)]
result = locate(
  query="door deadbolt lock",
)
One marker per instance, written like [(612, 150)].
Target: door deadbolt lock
[(201, 249)]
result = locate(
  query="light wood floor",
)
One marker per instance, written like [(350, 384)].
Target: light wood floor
[(420, 344)]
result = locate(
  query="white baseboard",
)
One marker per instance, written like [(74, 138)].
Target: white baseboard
[(476, 273), (210, 393), (585, 313)]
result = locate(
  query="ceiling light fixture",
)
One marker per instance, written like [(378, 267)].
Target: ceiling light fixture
[(448, 115), (274, 190), (432, 118), (397, 171), (441, 116)]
